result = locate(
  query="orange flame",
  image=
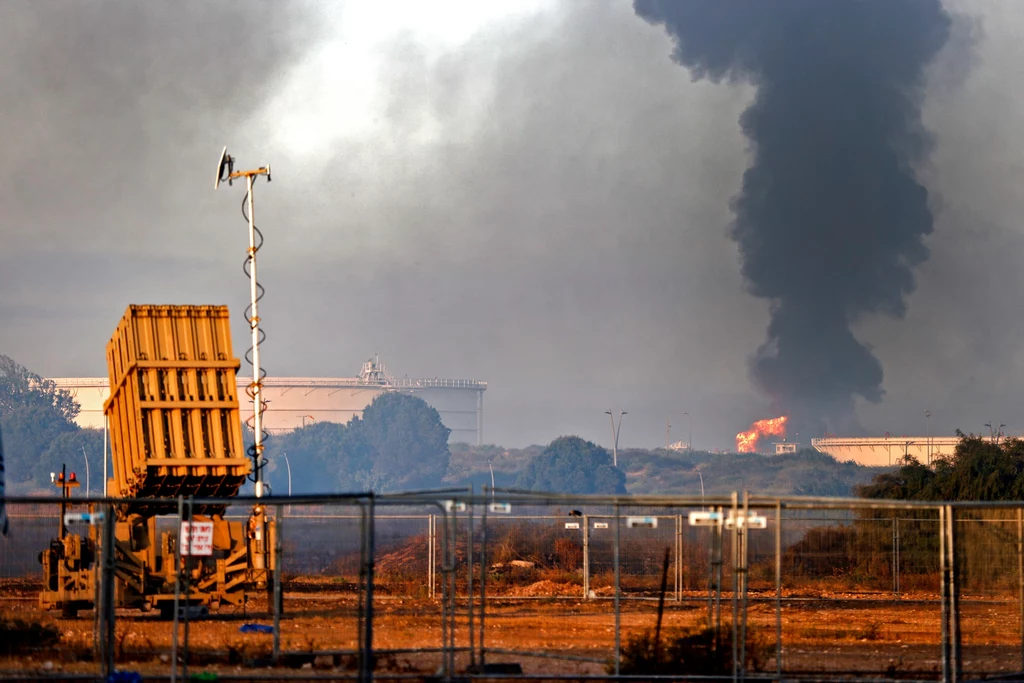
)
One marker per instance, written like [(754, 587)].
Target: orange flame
[(746, 442)]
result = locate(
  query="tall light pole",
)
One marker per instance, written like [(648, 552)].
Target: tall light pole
[(928, 433), (615, 435), (994, 432), (689, 432), (86, 471), (304, 417), (288, 466), (667, 428), (226, 171), (701, 486)]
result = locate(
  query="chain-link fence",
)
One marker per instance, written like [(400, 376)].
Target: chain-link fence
[(451, 582)]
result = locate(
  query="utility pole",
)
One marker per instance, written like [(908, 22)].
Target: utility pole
[(667, 428)]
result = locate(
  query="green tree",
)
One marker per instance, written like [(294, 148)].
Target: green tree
[(978, 470), (408, 440), (33, 412), (570, 464), (399, 444), (325, 457)]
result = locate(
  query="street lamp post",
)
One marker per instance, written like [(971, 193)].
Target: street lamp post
[(615, 434), (288, 466), (701, 487), (492, 478), (994, 432), (86, 471), (928, 434), (304, 417)]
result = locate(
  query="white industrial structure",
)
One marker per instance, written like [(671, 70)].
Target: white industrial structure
[(882, 451), (294, 402)]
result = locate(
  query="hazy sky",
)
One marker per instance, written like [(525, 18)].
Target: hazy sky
[(528, 193)]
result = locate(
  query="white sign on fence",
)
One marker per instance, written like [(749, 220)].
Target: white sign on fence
[(572, 525), (600, 525), (750, 522), (642, 522), (196, 538), (705, 518)]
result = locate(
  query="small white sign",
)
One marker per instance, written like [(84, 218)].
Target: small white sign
[(458, 506), (503, 508), (705, 518), (600, 525), (750, 522), (92, 518), (196, 538), (642, 522), (572, 525)]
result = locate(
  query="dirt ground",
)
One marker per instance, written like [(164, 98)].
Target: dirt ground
[(821, 632)]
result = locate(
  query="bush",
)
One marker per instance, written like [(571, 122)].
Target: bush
[(18, 636), (694, 651)]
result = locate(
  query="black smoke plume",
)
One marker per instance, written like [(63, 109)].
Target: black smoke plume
[(830, 219)]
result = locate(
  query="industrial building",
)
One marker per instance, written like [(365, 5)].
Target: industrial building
[(883, 451), (293, 402)]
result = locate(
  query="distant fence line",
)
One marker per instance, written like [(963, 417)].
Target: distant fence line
[(956, 568)]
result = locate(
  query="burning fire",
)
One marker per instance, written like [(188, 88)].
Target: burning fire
[(746, 442)]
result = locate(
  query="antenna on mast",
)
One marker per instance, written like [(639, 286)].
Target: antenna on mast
[(226, 171)]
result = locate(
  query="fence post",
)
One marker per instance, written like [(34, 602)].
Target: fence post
[(735, 586), (483, 582), (943, 595), (778, 589), (895, 561), (954, 596), (744, 560), (618, 616), (469, 574), (1020, 578), (586, 557), (431, 553), (679, 558), (277, 563), (366, 661), (109, 540), (188, 586), (897, 522), (452, 561), (177, 593)]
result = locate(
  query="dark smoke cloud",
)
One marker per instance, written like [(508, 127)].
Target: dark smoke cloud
[(831, 218)]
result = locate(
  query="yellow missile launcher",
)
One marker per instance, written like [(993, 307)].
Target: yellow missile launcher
[(175, 430)]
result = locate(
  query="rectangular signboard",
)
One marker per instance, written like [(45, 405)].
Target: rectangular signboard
[(572, 525), (503, 508), (642, 522), (196, 538), (600, 525), (705, 518), (750, 522), (83, 518)]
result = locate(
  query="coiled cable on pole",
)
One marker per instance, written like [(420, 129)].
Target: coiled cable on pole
[(256, 386)]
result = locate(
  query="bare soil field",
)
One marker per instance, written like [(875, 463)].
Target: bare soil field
[(822, 631)]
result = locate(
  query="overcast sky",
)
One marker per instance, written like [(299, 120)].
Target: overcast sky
[(529, 193)]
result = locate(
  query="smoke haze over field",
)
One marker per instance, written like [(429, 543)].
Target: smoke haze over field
[(535, 196)]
